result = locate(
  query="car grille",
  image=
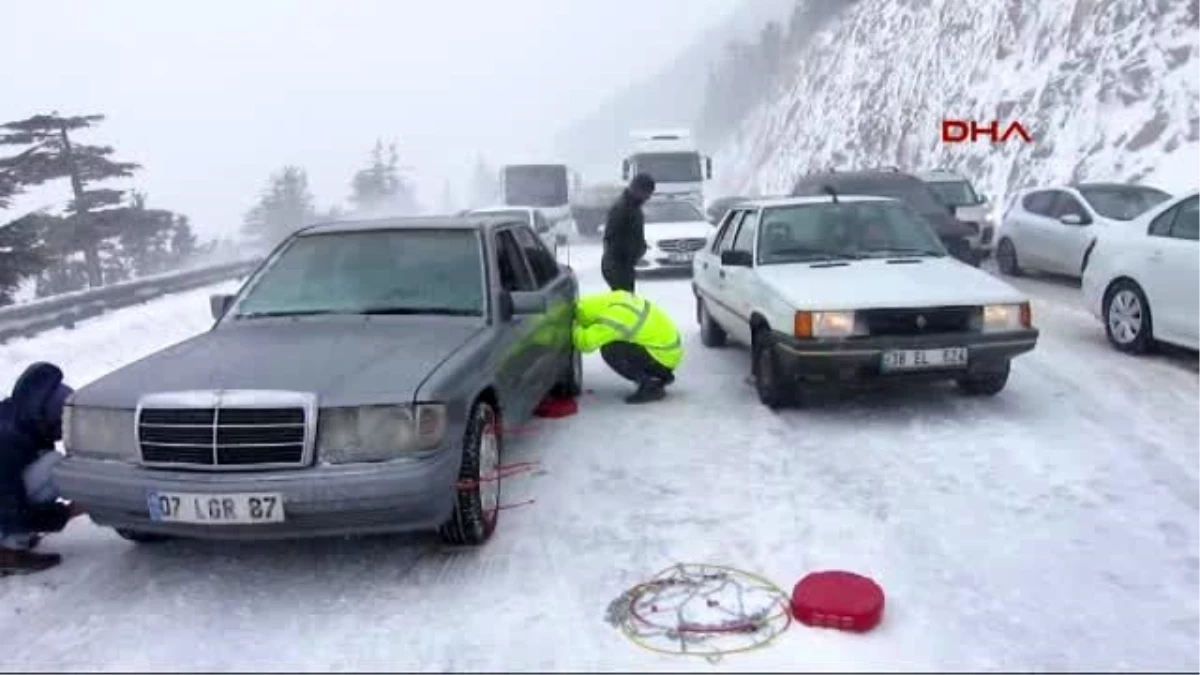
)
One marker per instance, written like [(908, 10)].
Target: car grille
[(986, 238), (972, 225), (224, 436), (922, 321), (681, 245)]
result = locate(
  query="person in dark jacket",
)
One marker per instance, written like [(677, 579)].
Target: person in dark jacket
[(30, 425), (625, 235)]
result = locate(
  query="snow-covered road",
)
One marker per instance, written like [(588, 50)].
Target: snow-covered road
[(1053, 527)]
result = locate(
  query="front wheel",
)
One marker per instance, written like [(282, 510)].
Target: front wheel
[(985, 383), (1006, 258), (1127, 320), (477, 504), (769, 381), (570, 382)]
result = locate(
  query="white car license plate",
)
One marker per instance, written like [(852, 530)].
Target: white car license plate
[(219, 509), (920, 359), (681, 258)]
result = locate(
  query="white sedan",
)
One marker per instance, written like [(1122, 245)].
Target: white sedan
[(675, 229), (1142, 280), (832, 290), (1050, 230)]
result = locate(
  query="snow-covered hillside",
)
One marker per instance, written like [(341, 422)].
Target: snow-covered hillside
[(1110, 90)]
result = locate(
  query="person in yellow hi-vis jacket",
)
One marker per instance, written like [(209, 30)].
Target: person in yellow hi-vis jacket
[(635, 338)]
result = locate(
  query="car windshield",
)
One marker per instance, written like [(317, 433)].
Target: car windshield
[(827, 231), (1122, 202), (536, 185), (670, 167), (671, 212), (954, 193), (915, 194), (419, 271)]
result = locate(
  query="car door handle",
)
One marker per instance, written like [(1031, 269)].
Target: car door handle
[(721, 274), (704, 265), (1156, 256)]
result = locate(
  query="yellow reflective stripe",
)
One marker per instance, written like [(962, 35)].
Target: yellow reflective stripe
[(674, 345), (615, 325), (642, 315)]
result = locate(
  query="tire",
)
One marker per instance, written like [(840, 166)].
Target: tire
[(711, 334), (570, 382), (773, 391), (988, 383), (477, 501), (1006, 258), (1128, 322), (139, 537)]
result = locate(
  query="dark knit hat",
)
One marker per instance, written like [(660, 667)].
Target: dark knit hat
[(643, 183), (39, 393)]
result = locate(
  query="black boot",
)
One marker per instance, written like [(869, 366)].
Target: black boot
[(647, 391)]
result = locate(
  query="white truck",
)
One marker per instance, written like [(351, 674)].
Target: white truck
[(546, 187), (672, 159), (589, 207)]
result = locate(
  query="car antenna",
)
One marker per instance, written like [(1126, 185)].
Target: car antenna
[(831, 192)]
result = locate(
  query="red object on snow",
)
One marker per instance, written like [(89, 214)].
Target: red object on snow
[(841, 600), (555, 408)]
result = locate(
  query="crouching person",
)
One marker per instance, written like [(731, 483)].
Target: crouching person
[(635, 338), (30, 425)]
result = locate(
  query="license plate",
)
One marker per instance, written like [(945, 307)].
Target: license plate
[(680, 257), (220, 509), (920, 359)]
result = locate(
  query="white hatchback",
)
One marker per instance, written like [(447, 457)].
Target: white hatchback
[(1143, 280), (834, 290), (1051, 230)]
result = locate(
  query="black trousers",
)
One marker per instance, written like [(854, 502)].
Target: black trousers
[(618, 275), (634, 363)]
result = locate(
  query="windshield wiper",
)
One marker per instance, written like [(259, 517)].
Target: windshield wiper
[(289, 312), (908, 252), (824, 254), (414, 311)]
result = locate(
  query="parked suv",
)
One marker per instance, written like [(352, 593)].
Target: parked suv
[(954, 233), (970, 206)]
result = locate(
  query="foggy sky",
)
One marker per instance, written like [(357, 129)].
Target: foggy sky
[(212, 96)]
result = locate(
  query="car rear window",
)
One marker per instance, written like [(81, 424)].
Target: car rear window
[(1121, 202), (404, 271), (811, 232)]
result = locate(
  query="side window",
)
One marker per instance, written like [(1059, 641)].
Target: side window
[(745, 235), (1038, 203), (545, 268), (1161, 225), (724, 240), (514, 275), (1187, 220), (1065, 203)]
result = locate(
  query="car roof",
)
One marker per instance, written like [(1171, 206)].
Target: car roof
[(499, 209), (771, 202), (869, 174), (1111, 185), (939, 175), (402, 223)]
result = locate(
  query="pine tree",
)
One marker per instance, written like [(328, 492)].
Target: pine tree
[(485, 184), (50, 155), (183, 239), (383, 187), (22, 253), (284, 207)]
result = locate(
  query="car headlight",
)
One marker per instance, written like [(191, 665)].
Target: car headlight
[(1000, 318), (99, 433), (825, 325), (377, 433)]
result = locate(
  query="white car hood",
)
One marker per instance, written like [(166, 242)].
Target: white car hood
[(700, 229), (973, 214), (870, 284)]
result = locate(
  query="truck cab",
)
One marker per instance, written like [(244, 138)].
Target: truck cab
[(672, 159)]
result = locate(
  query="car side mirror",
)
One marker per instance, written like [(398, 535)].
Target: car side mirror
[(1071, 219), (625, 169), (734, 258), (983, 199), (560, 238), (525, 303), (219, 304), (708, 167)]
